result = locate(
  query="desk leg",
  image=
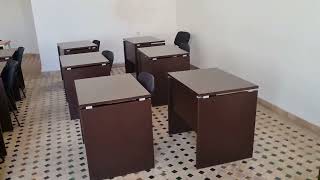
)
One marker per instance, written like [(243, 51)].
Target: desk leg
[(226, 127), (176, 123)]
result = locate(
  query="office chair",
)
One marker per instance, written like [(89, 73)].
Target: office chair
[(109, 55), (18, 56), (182, 37), (10, 77), (97, 42), (185, 47), (147, 81)]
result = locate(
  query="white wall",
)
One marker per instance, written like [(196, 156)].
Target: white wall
[(107, 20), (17, 24), (275, 44)]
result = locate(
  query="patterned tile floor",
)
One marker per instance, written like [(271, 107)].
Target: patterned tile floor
[(49, 145)]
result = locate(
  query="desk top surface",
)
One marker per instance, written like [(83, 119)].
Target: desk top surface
[(212, 81), (76, 60), (4, 53), (161, 51), (109, 89), (76, 44), (4, 42), (143, 39)]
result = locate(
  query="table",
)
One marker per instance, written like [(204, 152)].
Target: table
[(159, 61), (5, 43), (5, 118), (116, 122), (6, 54), (80, 66), (220, 108), (130, 49), (76, 47)]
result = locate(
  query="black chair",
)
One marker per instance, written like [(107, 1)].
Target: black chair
[(18, 56), (185, 47), (182, 37), (97, 42), (109, 55), (9, 77), (147, 81)]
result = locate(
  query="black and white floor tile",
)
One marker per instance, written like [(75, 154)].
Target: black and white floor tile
[(49, 145)]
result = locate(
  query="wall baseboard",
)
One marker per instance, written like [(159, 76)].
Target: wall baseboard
[(290, 117)]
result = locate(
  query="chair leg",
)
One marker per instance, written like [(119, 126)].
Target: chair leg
[(16, 118), (24, 94)]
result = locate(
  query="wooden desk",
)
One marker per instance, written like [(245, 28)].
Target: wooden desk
[(80, 66), (5, 43), (5, 119), (76, 47), (220, 108), (130, 49), (159, 61), (116, 121), (6, 54)]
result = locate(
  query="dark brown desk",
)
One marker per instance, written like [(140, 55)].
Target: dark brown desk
[(76, 47), (116, 122), (130, 49), (159, 61), (80, 66), (5, 119), (6, 54), (220, 108)]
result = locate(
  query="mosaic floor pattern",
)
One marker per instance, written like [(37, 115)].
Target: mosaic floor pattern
[(49, 145)]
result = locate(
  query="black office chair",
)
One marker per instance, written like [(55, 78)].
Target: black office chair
[(147, 81), (182, 37), (10, 77), (185, 47), (18, 56), (97, 42), (109, 55)]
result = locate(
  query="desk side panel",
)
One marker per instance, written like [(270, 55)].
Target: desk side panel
[(182, 108), (118, 139), (226, 127)]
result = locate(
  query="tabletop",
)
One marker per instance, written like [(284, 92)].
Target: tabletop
[(4, 42), (143, 39), (78, 60), (7, 53), (75, 44), (212, 81), (109, 89), (162, 51)]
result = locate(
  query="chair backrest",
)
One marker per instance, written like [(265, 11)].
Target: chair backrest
[(182, 37), (97, 42), (185, 47), (18, 55), (9, 77), (147, 81), (9, 74), (109, 55)]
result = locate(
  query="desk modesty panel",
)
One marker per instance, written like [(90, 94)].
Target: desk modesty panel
[(116, 123)]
